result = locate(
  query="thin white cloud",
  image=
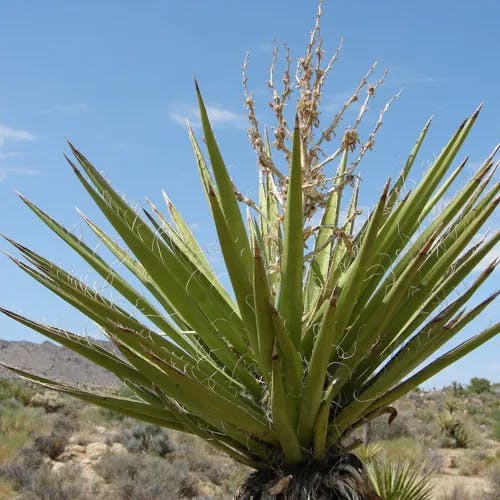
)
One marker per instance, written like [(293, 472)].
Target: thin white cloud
[(8, 154), (12, 134), (423, 79), (65, 108), (5, 172), (20, 171), (407, 76), (217, 114), (220, 115), (265, 47), (9, 134)]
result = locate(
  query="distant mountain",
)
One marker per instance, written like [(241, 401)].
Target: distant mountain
[(55, 362)]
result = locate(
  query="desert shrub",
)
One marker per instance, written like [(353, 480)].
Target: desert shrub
[(458, 390), (482, 419), (16, 418), (30, 458), (474, 464), (495, 415), (189, 487), (64, 426), (147, 438), (11, 444), (99, 416), (51, 446), (62, 485), (207, 463), (106, 415), (13, 389), (404, 449), (423, 423), (493, 475), (381, 430), (426, 415), (50, 401), (27, 473), (479, 386), (141, 477), (417, 399), (472, 409), (19, 471), (415, 452), (16, 474), (88, 434), (204, 467)]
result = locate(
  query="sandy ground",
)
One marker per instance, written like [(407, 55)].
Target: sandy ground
[(450, 484), (471, 487)]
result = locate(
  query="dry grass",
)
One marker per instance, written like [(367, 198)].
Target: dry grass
[(6, 490), (11, 444)]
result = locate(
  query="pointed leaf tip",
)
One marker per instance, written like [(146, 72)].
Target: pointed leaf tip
[(22, 197), (73, 148), (491, 266), (385, 193)]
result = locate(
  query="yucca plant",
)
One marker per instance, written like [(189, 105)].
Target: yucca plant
[(327, 322), (398, 481), (368, 452), (453, 429)]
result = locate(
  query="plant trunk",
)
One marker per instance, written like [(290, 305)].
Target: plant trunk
[(341, 477)]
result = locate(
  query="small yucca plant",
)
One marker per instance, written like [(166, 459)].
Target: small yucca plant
[(326, 321), (453, 429), (399, 481)]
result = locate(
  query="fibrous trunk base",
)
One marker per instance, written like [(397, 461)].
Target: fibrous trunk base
[(341, 477)]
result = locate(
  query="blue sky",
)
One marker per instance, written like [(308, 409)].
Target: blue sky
[(116, 78)]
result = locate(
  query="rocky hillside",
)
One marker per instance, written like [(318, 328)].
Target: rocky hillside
[(53, 361)]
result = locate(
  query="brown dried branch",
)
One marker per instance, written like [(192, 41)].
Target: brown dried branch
[(254, 134), (329, 131), (310, 76), (278, 102), (351, 137), (246, 200), (310, 91), (321, 74), (328, 159), (370, 94), (370, 142)]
